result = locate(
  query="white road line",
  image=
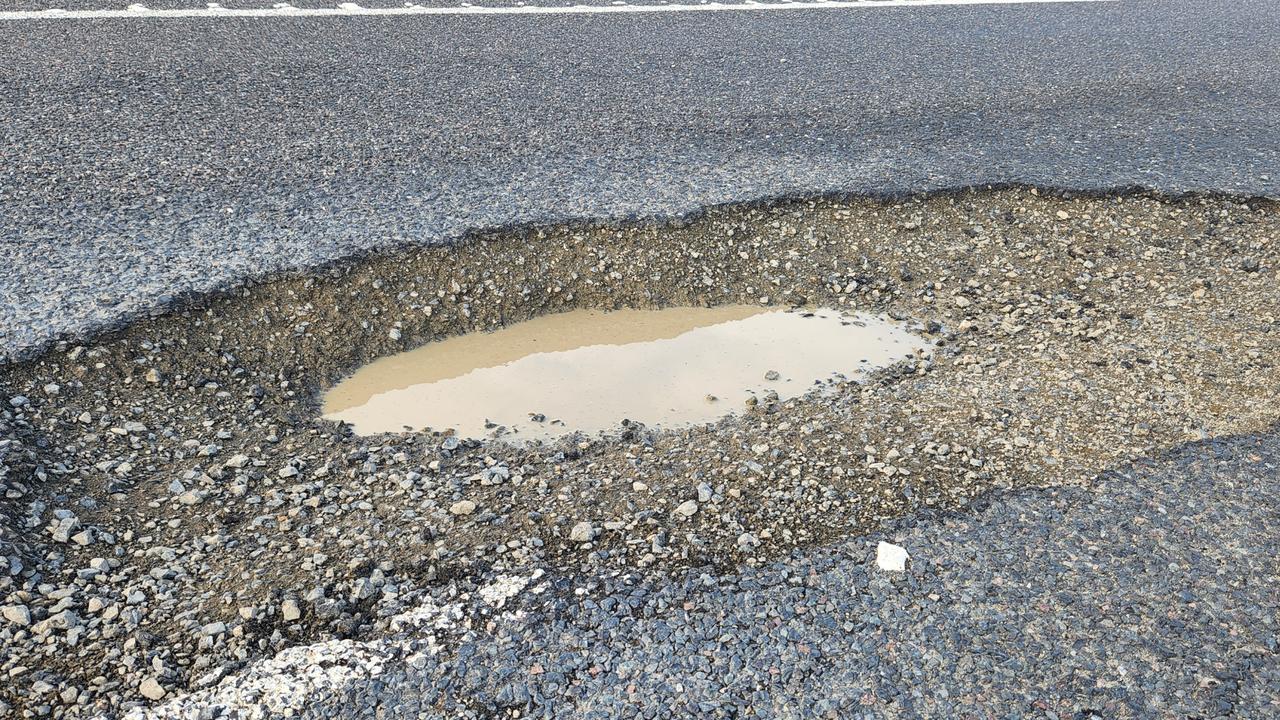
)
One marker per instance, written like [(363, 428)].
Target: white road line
[(348, 9)]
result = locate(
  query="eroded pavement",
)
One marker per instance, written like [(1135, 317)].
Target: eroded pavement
[(175, 508)]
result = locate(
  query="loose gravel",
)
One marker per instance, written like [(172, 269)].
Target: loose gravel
[(1152, 591), (175, 508)]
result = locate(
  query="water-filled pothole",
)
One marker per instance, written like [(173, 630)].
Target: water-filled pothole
[(588, 370)]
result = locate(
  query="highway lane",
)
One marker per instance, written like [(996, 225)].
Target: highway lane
[(145, 159)]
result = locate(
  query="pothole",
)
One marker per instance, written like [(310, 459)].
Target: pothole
[(587, 371), (151, 479)]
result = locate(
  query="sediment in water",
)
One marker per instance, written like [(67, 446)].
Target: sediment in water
[(586, 371)]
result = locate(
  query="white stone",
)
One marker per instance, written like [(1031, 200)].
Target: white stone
[(151, 689), (237, 461), (191, 497), (462, 507), (63, 528), (503, 588), (582, 532), (892, 558), (16, 614), (289, 610)]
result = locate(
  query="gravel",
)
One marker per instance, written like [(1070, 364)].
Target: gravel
[(177, 511), (1152, 591)]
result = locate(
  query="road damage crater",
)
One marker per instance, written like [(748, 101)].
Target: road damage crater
[(154, 478)]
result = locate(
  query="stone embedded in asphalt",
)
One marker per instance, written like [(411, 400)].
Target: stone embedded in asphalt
[(890, 557)]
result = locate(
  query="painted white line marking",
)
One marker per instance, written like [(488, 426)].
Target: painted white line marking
[(352, 9)]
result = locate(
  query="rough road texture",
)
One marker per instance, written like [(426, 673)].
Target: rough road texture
[(1153, 592), (174, 509), (142, 160)]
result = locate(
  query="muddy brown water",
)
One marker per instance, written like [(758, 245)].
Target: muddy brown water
[(588, 370)]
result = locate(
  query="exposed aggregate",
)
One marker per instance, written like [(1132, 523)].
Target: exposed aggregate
[(1152, 592), (173, 507)]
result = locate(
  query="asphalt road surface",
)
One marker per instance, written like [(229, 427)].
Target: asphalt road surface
[(148, 158), (143, 159), (1151, 593)]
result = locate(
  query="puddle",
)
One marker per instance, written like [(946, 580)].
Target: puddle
[(588, 370)]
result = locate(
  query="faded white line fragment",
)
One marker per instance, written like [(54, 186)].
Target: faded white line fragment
[(353, 10)]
